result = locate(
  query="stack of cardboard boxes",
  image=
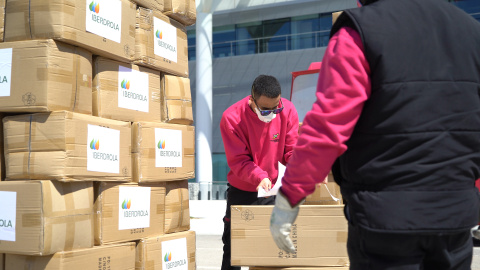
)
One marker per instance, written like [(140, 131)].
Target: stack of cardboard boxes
[(98, 136)]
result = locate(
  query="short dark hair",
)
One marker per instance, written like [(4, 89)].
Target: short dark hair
[(266, 85)]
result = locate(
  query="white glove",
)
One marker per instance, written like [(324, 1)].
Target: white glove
[(283, 216)]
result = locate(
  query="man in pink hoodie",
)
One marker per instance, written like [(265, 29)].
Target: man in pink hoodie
[(258, 132), (397, 120)]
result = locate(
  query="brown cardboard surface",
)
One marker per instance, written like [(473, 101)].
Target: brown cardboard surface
[(150, 255), (321, 195), (57, 146), (51, 216), (114, 257), (335, 16), (59, 77), (67, 21), (184, 11), (2, 24), (157, 5), (108, 208), (298, 268), (2, 155), (147, 154), (107, 91), (2, 261), (319, 234), (146, 41), (177, 211), (176, 100)]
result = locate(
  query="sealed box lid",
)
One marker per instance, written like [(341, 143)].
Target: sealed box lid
[(176, 100), (177, 210), (44, 217)]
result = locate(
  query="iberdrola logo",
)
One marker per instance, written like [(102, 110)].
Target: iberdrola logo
[(168, 257), (125, 84), (159, 34), (95, 144), (94, 7), (161, 144), (126, 204)]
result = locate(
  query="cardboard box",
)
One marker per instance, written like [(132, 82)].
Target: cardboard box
[(44, 217), (176, 100), (184, 11), (67, 146), (125, 92), (177, 210), (125, 212), (326, 194), (319, 235), (2, 261), (162, 152), (157, 5), (114, 257), (170, 251), (59, 77), (104, 27), (161, 43)]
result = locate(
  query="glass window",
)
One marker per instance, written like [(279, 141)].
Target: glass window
[(472, 7), (247, 35), (325, 26), (191, 41), (276, 35), (222, 40), (303, 30)]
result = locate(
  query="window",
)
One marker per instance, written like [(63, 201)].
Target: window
[(303, 31), (222, 37), (191, 41)]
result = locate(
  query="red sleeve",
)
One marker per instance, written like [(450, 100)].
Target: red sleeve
[(292, 135), (342, 89), (238, 157)]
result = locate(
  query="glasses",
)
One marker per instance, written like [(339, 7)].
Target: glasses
[(267, 112)]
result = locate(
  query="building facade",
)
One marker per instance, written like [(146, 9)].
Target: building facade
[(273, 37)]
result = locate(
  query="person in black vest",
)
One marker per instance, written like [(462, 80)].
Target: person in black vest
[(397, 120)]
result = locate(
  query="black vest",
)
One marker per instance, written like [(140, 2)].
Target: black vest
[(414, 154)]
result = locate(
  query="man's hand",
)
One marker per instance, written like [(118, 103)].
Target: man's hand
[(281, 221), (265, 184)]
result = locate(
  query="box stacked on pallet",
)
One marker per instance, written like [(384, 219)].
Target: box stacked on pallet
[(74, 203)]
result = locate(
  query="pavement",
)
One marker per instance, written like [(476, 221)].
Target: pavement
[(206, 221)]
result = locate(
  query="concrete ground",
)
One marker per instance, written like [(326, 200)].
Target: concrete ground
[(206, 221)]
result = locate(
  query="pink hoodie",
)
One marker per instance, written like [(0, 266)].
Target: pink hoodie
[(254, 148), (342, 89)]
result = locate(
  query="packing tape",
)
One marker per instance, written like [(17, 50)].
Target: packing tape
[(150, 264), (70, 228), (160, 209), (238, 234), (107, 211), (188, 151), (131, 31), (31, 220), (69, 205)]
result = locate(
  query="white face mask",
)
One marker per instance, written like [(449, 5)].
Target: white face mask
[(266, 119)]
